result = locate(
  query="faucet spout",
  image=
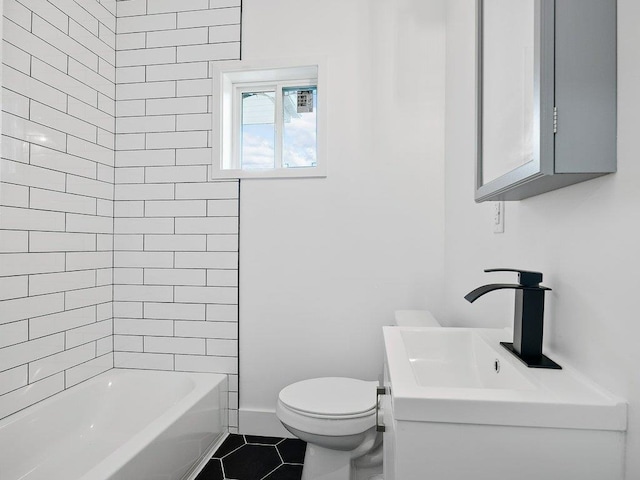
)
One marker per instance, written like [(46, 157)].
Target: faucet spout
[(478, 292)]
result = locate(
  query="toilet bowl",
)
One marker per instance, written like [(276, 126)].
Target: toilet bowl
[(336, 417)]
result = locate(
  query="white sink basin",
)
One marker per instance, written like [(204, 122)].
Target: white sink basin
[(463, 375), (459, 358)]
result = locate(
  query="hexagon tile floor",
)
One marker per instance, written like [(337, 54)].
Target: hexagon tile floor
[(249, 457)]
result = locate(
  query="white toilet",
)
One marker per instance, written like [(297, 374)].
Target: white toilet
[(336, 416)]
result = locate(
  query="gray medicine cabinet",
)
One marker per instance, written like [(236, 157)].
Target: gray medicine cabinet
[(546, 98)]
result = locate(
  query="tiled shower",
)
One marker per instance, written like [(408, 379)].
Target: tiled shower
[(117, 248)]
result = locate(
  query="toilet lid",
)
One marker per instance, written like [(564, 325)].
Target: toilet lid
[(330, 396)]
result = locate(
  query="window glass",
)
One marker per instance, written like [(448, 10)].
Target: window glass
[(258, 130), (299, 105)]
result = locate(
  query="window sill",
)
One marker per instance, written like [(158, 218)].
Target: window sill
[(307, 172)]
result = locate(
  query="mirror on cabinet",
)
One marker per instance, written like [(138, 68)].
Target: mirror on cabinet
[(546, 78), (508, 72)]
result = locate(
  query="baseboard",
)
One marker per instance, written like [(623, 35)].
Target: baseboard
[(261, 422)]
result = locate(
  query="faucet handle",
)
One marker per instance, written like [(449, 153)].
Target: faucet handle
[(527, 278)]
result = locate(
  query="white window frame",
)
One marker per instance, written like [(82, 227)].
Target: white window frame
[(230, 80)]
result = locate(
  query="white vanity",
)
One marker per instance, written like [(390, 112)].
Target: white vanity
[(458, 406)]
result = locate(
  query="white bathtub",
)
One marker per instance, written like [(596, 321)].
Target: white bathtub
[(120, 425)]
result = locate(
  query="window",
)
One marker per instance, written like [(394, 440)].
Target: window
[(268, 122)]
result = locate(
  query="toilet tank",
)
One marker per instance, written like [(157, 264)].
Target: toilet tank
[(415, 318)]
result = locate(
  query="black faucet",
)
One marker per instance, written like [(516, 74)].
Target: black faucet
[(528, 318)]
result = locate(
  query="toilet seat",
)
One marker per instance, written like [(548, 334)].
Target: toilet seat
[(330, 396), (331, 406)]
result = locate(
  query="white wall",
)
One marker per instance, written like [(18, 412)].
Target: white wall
[(584, 238), (325, 262), (56, 197)]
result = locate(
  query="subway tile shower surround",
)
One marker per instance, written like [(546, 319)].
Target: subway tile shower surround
[(175, 233), (56, 197), (116, 249)]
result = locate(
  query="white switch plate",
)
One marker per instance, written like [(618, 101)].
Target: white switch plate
[(498, 217)]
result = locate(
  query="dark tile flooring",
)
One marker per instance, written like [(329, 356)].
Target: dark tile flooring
[(249, 457)]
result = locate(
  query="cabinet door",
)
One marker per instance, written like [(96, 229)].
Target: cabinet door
[(515, 99), (507, 86)]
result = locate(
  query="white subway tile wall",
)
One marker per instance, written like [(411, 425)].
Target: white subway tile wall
[(175, 231), (56, 196), (79, 133)]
